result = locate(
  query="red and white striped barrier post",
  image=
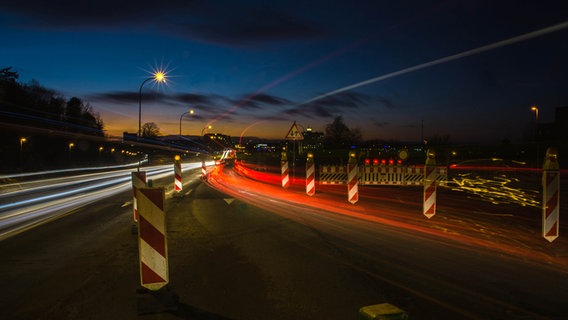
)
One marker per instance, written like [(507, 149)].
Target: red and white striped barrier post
[(352, 179), (138, 181), (203, 171), (429, 208), (178, 185), (310, 175), (152, 243), (284, 169), (550, 195)]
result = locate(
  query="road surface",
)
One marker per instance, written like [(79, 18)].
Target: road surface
[(240, 249)]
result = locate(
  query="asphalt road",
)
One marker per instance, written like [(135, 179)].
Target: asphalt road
[(250, 253)]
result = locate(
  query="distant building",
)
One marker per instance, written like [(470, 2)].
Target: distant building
[(218, 141), (313, 141), (126, 136)]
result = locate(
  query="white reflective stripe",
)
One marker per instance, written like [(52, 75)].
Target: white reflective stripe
[(152, 213), (153, 260)]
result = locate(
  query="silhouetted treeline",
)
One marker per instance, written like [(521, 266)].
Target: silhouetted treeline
[(40, 126), (33, 105)]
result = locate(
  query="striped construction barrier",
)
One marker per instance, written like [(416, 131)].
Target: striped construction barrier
[(285, 174), (391, 175), (429, 207), (138, 181), (550, 196), (332, 175), (380, 175), (152, 242), (414, 176), (203, 171), (178, 185), (310, 175), (352, 179)]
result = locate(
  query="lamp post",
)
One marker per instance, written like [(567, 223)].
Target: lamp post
[(158, 77), (535, 109), (183, 114), (203, 130), (71, 145), (22, 140)]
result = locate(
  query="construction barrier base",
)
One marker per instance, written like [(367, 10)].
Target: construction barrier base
[(163, 300), (383, 311)]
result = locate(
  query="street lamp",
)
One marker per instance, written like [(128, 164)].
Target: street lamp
[(208, 127), (22, 140), (71, 145), (535, 109), (159, 77), (183, 114)]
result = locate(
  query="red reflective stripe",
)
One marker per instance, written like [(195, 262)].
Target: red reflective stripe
[(156, 197), (152, 236), (149, 276)]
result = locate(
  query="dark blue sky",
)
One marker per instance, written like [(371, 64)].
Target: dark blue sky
[(264, 64)]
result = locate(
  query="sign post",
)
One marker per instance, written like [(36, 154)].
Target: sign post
[(203, 171), (352, 178), (550, 195), (429, 208), (310, 175), (152, 244), (153, 253), (178, 185), (284, 169), (138, 181), (294, 134)]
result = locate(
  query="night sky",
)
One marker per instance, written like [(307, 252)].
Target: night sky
[(396, 70)]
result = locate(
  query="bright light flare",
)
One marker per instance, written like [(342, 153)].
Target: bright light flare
[(160, 76)]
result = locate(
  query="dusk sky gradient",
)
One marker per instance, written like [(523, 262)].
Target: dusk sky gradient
[(466, 69)]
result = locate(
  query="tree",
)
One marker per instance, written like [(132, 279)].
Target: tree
[(8, 76), (339, 135), (150, 130)]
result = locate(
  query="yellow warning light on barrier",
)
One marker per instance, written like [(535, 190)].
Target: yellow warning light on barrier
[(177, 157), (310, 156), (430, 157), (352, 154), (551, 159)]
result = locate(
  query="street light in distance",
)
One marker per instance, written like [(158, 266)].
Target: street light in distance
[(183, 114)]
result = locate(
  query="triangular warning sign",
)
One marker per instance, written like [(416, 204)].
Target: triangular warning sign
[(294, 133)]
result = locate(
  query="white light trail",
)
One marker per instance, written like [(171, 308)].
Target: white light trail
[(33, 203), (464, 54)]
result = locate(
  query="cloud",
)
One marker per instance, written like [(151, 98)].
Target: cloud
[(194, 99), (381, 124), (223, 22), (385, 102), (331, 105), (270, 99), (128, 97)]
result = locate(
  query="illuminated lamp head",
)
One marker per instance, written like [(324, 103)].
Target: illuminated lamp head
[(177, 157)]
